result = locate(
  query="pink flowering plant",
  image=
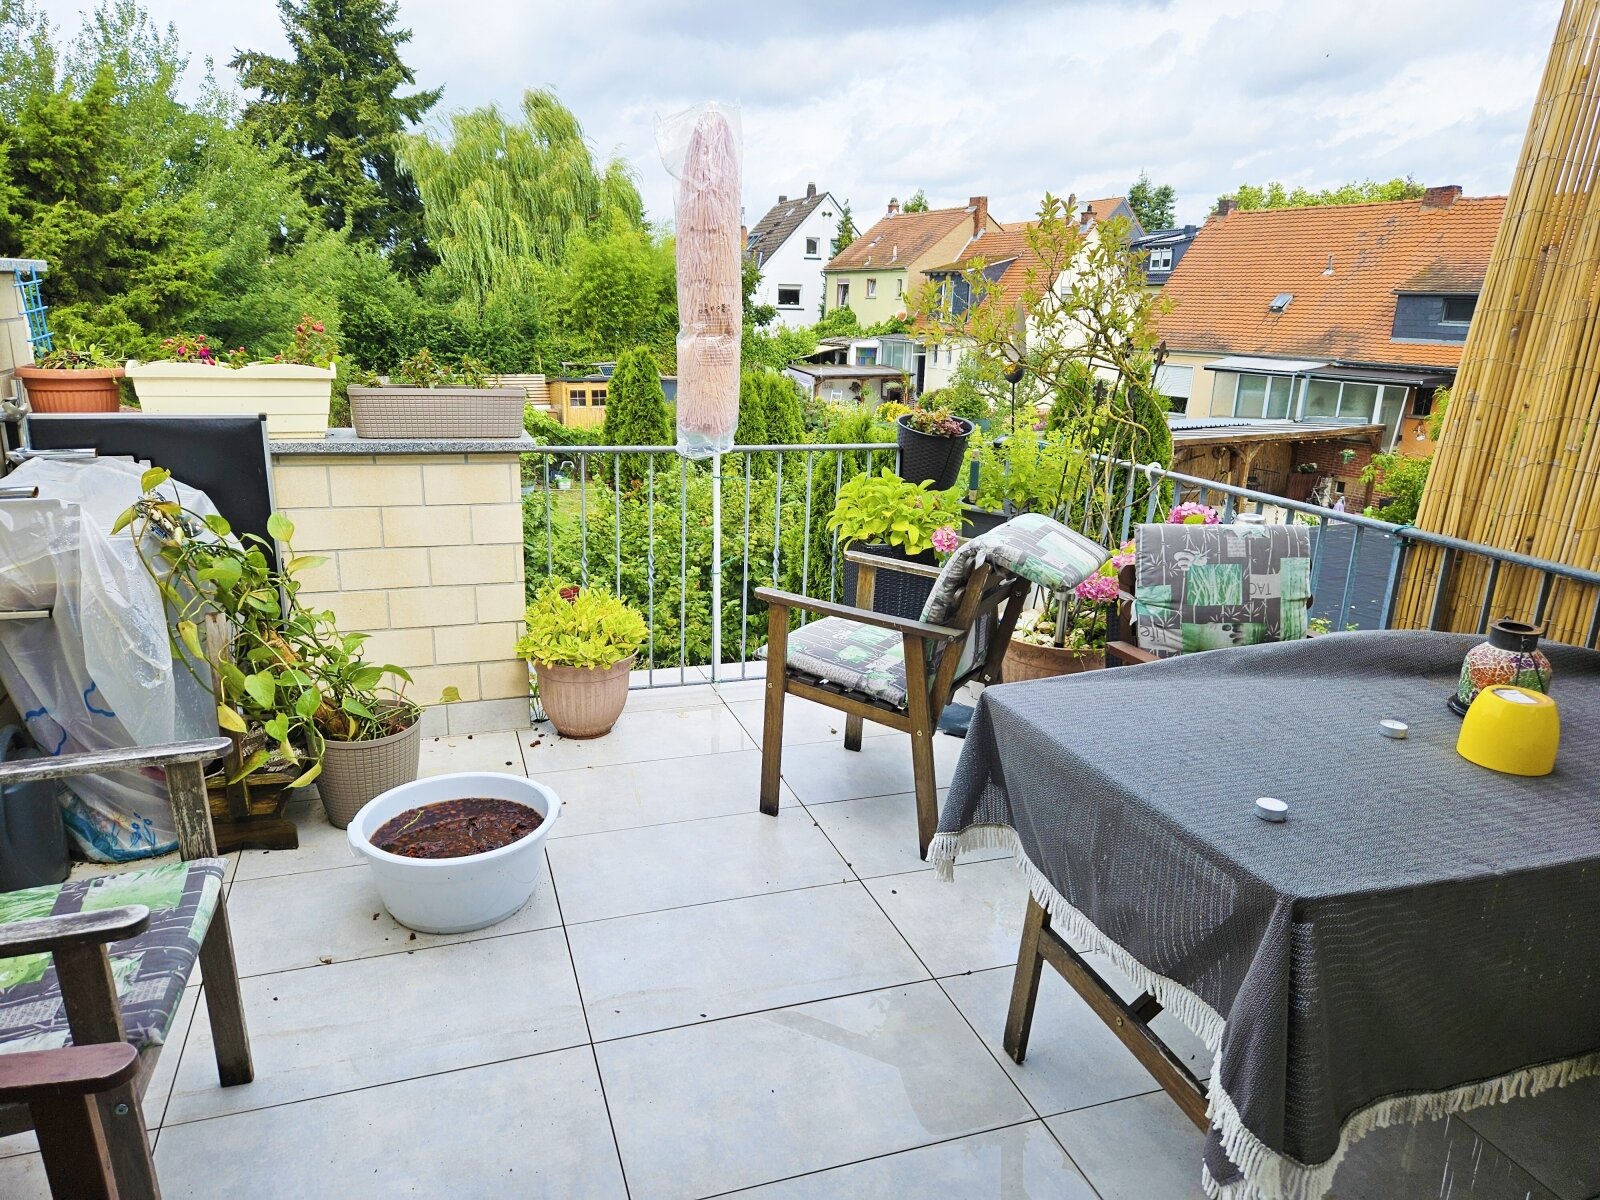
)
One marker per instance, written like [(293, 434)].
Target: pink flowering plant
[(946, 539), (1192, 512), (1084, 626), (309, 345)]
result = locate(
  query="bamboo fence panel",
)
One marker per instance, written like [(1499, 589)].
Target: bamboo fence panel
[(1518, 466)]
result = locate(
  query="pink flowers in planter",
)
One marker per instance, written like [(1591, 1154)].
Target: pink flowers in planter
[(946, 539), (1097, 589), (1193, 513)]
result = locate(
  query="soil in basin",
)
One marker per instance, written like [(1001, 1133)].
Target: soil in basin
[(456, 828)]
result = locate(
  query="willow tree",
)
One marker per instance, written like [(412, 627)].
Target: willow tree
[(502, 198), (1076, 310)]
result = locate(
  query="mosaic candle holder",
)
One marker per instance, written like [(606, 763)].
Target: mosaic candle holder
[(1510, 656)]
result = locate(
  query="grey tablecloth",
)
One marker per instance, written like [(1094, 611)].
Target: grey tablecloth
[(1422, 935)]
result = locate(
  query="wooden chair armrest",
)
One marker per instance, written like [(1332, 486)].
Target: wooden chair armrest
[(45, 934), (66, 766), (66, 1071), (1128, 653), (862, 559), (826, 608)]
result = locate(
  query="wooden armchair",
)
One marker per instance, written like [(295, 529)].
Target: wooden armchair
[(901, 673), (59, 985)]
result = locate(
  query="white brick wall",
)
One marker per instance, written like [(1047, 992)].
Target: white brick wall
[(425, 554)]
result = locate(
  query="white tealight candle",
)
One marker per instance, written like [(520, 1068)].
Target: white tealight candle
[(1270, 809), (1394, 729)]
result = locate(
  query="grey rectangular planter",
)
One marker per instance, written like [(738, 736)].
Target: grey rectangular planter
[(447, 412)]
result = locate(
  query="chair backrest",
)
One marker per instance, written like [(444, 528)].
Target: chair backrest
[(1204, 587)]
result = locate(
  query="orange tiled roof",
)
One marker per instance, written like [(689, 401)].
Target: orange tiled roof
[(1221, 289), (1101, 209), (898, 239), (1009, 245)]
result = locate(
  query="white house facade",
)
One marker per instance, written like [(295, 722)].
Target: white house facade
[(791, 244)]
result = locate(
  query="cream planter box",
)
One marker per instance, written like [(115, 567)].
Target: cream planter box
[(294, 398)]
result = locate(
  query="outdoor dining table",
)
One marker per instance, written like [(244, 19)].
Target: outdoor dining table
[(1421, 936)]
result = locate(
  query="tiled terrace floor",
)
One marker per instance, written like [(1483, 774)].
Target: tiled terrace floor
[(703, 1000)]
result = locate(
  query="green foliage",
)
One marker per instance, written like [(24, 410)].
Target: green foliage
[(844, 233), (422, 370), (769, 414), (1028, 472), (1401, 478), (755, 315), (637, 412), (613, 290), (839, 322), (1277, 195), (502, 198), (917, 203), (776, 348), (884, 509), (70, 357), (569, 626), (336, 105), (936, 421), (1153, 204)]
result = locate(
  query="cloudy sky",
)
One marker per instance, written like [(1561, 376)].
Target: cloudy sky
[(1008, 100)]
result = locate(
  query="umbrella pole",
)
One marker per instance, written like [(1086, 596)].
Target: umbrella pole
[(716, 566)]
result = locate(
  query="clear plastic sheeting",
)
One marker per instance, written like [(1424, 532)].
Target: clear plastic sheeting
[(98, 674), (700, 149)]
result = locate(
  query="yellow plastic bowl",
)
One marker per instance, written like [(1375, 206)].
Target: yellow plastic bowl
[(1513, 730)]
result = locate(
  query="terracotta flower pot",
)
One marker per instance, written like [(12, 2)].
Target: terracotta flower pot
[(57, 390), (583, 702), (1025, 660), (355, 772)]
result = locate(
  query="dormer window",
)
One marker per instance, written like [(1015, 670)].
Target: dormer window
[(1458, 310), (1161, 259)]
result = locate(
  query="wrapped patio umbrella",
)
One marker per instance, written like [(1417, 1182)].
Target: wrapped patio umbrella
[(700, 149)]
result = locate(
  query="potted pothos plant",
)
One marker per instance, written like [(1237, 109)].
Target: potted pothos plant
[(424, 398), (293, 690), (933, 446), (294, 388), (73, 379), (581, 643), (1059, 638), (885, 515)]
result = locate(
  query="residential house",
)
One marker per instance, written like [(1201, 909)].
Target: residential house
[(1349, 315), (842, 383), (875, 274), (1163, 250), (1007, 261), (790, 245)]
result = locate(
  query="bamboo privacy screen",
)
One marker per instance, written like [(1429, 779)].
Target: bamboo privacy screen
[(1519, 464)]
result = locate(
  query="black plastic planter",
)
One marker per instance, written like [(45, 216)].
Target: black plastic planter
[(976, 521), (923, 456), (893, 592)]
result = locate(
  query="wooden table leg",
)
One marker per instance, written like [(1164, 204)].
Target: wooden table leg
[(1025, 983)]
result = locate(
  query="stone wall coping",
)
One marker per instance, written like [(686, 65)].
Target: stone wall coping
[(345, 441)]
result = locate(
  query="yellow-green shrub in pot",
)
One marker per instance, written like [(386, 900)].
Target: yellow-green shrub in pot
[(581, 642)]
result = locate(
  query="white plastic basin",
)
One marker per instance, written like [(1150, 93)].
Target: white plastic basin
[(453, 895)]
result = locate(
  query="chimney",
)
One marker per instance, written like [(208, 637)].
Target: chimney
[(894, 205), (811, 191), (783, 199), (980, 213), (1226, 205), (1441, 197)]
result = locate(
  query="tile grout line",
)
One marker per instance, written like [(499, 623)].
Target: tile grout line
[(938, 981), (594, 1057)]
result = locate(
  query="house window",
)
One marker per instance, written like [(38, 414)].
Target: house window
[(598, 399), (1263, 396), (899, 286), (789, 297), (872, 288), (578, 398), (1458, 310), (811, 248), (842, 296), (866, 356), (1161, 259)]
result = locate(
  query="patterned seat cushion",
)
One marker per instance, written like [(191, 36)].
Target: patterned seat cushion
[(1204, 587), (1041, 550), (150, 970), (863, 658)]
